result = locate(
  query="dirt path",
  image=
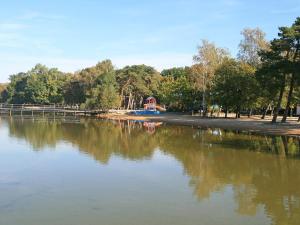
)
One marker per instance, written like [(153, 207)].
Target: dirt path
[(254, 124)]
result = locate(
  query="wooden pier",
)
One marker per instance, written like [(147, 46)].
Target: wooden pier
[(42, 110)]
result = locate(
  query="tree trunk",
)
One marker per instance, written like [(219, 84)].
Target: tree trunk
[(249, 113), (289, 99), (276, 112), (272, 111), (238, 112), (129, 101), (264, 114), (203, 98), (122, 99), (141, 102), (292, 84), (226, 112), (212, 111), (265, 111)]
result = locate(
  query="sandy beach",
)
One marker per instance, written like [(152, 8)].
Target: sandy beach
[(253, 124)]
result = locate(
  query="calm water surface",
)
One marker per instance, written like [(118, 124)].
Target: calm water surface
[(89, 172)]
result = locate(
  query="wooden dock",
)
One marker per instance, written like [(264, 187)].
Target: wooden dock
[(38, 110)]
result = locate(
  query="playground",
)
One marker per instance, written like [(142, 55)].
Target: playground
[(150, 108)]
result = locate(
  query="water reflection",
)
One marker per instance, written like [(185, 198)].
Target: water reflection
[(212, 159)]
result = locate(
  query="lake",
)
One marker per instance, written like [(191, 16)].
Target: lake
[(66, 171)]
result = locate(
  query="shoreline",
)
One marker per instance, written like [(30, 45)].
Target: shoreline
[(253, 124)]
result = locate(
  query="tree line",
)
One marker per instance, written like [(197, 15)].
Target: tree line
[(263, 78)]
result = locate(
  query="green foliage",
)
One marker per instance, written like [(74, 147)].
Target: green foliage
[(100, 86), (137, 82), (177, 94), (235, 86), (38, 86), (103, 97), (74, 92), (176, 72), (3, 93), (280, 67), (16, 89)]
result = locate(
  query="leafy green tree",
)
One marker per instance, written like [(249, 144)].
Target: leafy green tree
[(17, 89), (104, 97), (177, 94), (235, 86), (179, 90), (269, 87), (272, 74), (282, 59), (208, 58), (176, 72), (74, 92), (90, 76), (44, 85), (292, 36), (3, 93), (136, 83), (40, 85), (100, 86)]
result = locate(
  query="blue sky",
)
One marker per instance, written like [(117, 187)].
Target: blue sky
[(72, 34)]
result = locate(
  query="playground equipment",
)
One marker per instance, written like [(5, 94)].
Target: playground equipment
[(151, 104), (150, 107), (151, 126)]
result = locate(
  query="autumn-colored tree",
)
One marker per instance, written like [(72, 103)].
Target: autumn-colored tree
[(253, 42), (209, 58)]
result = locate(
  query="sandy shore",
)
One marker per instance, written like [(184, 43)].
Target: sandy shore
[(253, 124)]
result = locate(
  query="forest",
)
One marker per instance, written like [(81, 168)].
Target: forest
[(264, 78)]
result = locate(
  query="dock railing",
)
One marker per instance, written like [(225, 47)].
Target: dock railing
[(38, 108)]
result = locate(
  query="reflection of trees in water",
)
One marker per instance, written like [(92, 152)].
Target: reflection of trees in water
[(213, 159), (39, 133), (257, 179), (101, 140)]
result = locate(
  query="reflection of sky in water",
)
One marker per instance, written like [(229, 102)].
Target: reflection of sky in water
[(168, 184)]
